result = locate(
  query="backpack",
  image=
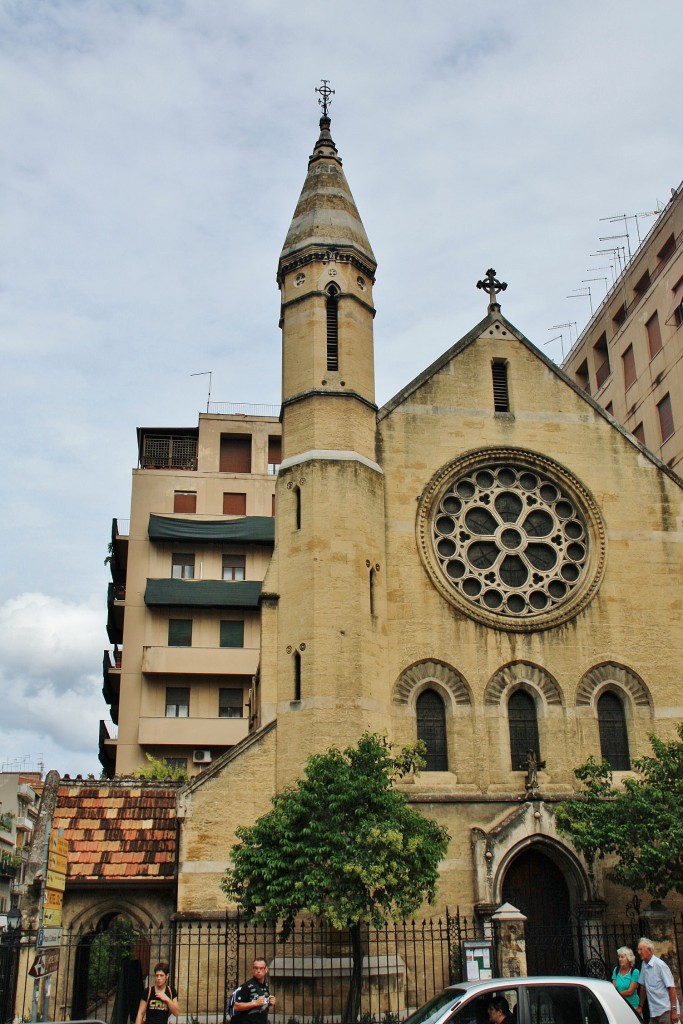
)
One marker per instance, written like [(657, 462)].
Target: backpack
[(232, 1012)]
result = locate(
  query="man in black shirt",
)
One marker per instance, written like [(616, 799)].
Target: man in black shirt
[(253, 999)]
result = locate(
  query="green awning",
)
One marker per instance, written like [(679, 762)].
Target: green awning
[(202, 593), (246, 530)]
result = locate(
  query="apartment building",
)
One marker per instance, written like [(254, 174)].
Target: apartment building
[(629, 357), (19, 799), (183, 602)]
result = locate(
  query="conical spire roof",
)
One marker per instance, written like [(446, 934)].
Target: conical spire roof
[(326, 217)]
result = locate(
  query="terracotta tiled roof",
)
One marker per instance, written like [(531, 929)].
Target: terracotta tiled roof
[(124, 829)]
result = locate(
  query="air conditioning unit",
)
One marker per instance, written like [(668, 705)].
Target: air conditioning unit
[(201, 756)]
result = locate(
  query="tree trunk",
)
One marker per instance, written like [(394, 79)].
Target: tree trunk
[(352, 1011)]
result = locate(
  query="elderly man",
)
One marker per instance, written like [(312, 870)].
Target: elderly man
[(657, 983)]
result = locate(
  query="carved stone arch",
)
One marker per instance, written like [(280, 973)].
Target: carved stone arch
[(598, 678), (90, 917), (418, 676), (564, 858), (517, 673)]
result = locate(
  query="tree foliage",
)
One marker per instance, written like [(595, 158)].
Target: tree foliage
[(641, 824), (341, 844), (158, 770)]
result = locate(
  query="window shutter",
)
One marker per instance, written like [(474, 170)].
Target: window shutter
[(235, 453), (232, 633), (234, 504)]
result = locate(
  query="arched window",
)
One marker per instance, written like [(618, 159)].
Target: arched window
[(431, 729), (523, 729), (332, 313), (613, 734)]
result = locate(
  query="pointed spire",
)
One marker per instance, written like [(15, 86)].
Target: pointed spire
[(326, 219)]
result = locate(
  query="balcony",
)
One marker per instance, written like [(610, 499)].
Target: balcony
[(201, 594), (116, 597), (192, 732), (120, 530), (9, 865), (161, 449), (107, 748), (22, 823), (192, 661)]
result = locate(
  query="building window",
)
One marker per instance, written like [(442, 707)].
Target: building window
[(332, 316), (666, 251), (272, 505), (230, 702), (233, 567), (232, 633), (501, 396), (654, 335), (177, 702), (274, 454), (601, 357), (523, 729), (184, 501), (180, 632), (676, 315), (642, 285), (609, 408), (234, 504), (619, 315), (182, 565), (582, 378), (431, 729), (235, 454), (176, 763), (613, 734), (629, 364), (639, 433), (297, 676), (297, 507), (666, 418)]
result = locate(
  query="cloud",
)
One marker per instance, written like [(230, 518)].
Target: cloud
[(51, 692)]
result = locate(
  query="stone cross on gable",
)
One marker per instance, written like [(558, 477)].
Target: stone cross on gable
[(492, 285)]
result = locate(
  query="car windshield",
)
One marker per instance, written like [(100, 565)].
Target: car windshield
[(434, 1009)]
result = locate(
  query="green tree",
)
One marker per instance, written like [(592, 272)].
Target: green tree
[(341, 844), (640, 825), (158, 770)]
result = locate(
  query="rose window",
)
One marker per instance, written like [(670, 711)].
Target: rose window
[(510, 539)]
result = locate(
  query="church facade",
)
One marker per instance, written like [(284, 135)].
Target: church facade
[(488, 562)]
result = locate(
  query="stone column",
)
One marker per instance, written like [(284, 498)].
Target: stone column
[(657, 924), (510, 941)]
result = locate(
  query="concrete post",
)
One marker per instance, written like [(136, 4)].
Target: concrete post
[(657, 923), (510, 941)]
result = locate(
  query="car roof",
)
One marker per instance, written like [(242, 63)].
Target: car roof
[(545, 979)]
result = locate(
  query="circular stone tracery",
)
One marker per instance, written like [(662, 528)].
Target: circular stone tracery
[(512, 538)]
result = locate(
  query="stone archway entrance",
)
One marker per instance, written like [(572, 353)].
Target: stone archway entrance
[(537, 886)]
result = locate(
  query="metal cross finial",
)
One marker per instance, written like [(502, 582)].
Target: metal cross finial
[(325, 93), (492, 285)]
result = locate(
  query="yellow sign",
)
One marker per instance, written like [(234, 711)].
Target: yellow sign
[(52, 917), (55, 880), (53, 898), (56, 862), (59, 845)]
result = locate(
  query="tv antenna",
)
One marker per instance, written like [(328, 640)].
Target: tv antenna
[(205, 373), (558, 327), (581, 293)]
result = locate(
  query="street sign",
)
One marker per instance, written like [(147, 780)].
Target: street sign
[(56, 862), (52, 917), (59, 845), (55, 880), (53, 898), (48, 937), (45, 963)]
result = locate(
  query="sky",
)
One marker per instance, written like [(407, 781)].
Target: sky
[(152, 156)]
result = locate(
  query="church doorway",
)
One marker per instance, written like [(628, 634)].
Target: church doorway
[(536, 885)]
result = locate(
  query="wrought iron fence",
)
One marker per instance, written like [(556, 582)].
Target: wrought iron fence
[(102, 973)]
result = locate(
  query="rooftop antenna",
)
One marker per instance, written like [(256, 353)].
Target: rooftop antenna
[(204, 373), (569, 324), (558, 337), (616, 253), (581, 293), (586, 279), (608, 238)]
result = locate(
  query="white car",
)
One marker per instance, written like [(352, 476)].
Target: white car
[(542, 1000)]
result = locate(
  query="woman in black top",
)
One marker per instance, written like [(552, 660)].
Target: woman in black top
[(158, 1001)]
